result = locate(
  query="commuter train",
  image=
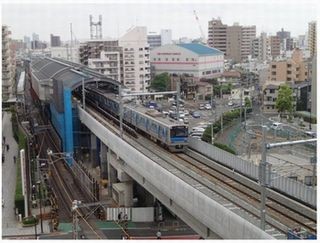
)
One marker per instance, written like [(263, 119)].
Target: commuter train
[(162, 130)]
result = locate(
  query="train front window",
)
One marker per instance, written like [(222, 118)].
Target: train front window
[(181, 131)]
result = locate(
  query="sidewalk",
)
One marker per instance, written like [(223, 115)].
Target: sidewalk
[(10, 223), (8, 174)]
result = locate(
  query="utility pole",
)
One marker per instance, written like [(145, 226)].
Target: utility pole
[(245, 118), (263, 180), (121, 111), (83, 95), (178, 97), (221, 108), (241, 91), (71, 43)]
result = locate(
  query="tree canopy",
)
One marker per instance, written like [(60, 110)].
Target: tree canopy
[(284, 99), (247, 102), (160, 82)]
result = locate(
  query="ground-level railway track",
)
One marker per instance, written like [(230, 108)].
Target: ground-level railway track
[(66, 191), (278, 215)]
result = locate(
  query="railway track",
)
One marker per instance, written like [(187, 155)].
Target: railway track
[(67, 191), (278, 216)]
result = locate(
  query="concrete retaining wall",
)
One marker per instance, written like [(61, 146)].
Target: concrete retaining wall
[(283, 184)]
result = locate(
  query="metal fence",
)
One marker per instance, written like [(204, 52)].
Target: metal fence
[(289, 186)]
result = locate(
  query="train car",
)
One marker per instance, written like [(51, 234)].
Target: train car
[(150, 122)]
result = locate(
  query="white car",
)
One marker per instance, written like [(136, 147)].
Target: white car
[(230, 103), (208, 107)]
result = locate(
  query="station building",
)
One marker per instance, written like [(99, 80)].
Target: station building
[(194, 59)]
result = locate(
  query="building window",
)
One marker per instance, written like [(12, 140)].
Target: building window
[(192, 59), (288, 72), (273, 73), (177, 59), (272, 91), (154, 59), (159, 59), (166, 59), (172, 59), (289, 65), (187, 59), (273, 66)]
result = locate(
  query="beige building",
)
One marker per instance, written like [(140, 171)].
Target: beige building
[(275, 46), (312, 38), (293, 69), (234, 40), (248, 33), (8, 64), (217, 35)]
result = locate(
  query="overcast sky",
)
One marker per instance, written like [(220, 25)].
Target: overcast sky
[(44, 19)]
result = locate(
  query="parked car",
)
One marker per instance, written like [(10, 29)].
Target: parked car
[(230, 103), (197, 129), (207, 107), (201, 107), (311, 134), (196, 114), (185, 120), (277, 126)]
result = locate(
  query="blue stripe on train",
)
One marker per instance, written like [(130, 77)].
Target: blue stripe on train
[(178, 139)]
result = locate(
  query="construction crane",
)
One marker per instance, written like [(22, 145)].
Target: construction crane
[(203, 37)]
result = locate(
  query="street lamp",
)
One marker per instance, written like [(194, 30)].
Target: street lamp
[(40, 195)]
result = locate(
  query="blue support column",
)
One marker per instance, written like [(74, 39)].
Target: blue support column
[(68, 123)]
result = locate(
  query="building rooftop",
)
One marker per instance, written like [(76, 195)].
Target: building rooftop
[(201, 50)]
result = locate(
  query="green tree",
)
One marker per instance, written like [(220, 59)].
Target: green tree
[(284, 100), (247, 102), (160, 82)]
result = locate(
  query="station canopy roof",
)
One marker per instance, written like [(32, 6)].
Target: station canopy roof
[(69, 73)]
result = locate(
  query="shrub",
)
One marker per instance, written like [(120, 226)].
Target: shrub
[(29, 221), (225, 147)]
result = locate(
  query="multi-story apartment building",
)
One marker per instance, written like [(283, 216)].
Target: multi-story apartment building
[(274, 43), (234, 39), (312, 38), (136, 59), (166, 37), (293, 69), (8, 64), (109, 64), (217, 35), (283, 34), (154, 40), (125, 60), (259, 47), (106, 56), (248, 33)]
